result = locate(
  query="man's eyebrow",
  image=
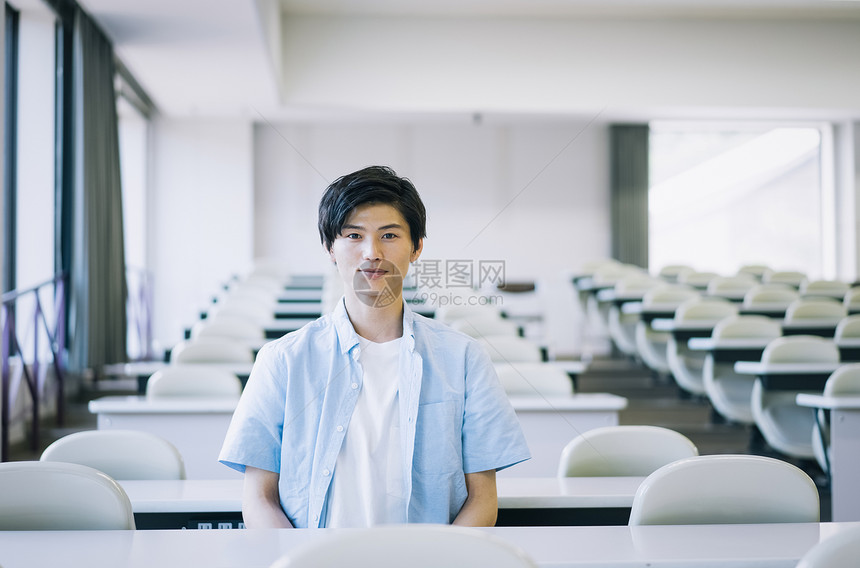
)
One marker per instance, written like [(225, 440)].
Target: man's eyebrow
[(382, 228)]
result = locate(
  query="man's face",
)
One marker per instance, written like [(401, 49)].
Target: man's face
[(373, 252)]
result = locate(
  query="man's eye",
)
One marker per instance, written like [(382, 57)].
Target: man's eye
[(389, 236), (353, 236)]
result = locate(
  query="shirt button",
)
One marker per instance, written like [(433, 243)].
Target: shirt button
[(316, 518), (410, 419), (326, 472), (354, 385), (340, 428)]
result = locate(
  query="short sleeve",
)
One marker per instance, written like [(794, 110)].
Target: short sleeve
[(255, 432), (492, 437)]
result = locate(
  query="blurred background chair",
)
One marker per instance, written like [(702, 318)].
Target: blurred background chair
[(845, 381), (486, 326), (450, 313), (824, 289), (793, 278), (200, 381), (650, 344), (121, 454), (731, 287), (211, 350), (534, 379), (814, 313), (785, 426), (415, 546), (757, 271), (229, 327), (731, 393), (672, 272), (851, 300), (685, 364), (622, 325), (769, 299), (722, 489), (615, 451), (61, 496), (841, 550), (512, 349)]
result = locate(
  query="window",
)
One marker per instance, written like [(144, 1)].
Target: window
[(721, 196)]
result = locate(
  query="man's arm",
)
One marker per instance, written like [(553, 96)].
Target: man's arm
[(261, 503), (482, 505)]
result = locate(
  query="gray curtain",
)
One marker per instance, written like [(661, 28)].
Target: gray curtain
[(97, 280), (629, 192)]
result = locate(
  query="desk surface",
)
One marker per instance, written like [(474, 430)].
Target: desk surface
[(141, 405), (829, 402), (710, 344), (691, 546), (225, 495), (582, 402), (759, 368)]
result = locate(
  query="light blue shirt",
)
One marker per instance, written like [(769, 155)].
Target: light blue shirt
[(454, 414)]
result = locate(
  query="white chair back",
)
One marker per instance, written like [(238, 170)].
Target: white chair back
[(511, 349), (730, 393), (815, 309), (773, 296), (534, 379), (757, 271), (212, 350), (452, 312), (731, 287), (486, 326), (193, 381), (121, 454), (791, 277), (785, 426), (61, 496), (614, 451), (229, 327), (847, 328), (845, 381), (824, 289), (416, 546), (724, 489), (838, 551)]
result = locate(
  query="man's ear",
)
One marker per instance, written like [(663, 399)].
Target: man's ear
[(417, 252), (330, 253)]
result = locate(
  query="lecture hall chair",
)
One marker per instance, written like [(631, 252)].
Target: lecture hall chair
[(730, 393), (54, 496), (726, 489), (845, 381), (627, 450), (785, 426), (121, 454), (841, 550), (685, 364), (193, 381)]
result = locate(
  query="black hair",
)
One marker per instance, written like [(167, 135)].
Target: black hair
[(373, 184)]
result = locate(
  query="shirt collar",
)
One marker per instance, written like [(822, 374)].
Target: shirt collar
[(348, 338)]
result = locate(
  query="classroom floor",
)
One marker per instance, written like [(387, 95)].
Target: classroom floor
[(651, 401)]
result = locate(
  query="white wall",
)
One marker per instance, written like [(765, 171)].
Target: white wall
[(202, 215), (661, 66), (534, 194)]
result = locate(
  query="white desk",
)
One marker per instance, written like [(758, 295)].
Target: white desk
[(688, 546), (549, 423), (195, 426), (844, 451), (788, 376), (543, 501)]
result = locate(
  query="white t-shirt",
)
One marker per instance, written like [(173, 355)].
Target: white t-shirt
[(367, 485)]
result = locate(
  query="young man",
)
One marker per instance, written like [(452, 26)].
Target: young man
[(372, 414)]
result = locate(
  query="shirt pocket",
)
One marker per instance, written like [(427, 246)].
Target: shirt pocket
[(438, 438)]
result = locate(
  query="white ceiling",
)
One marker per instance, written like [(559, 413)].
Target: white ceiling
[(211, 57)]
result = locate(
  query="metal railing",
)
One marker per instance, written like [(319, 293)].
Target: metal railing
[(30, 370)]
